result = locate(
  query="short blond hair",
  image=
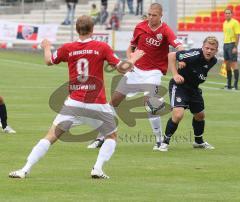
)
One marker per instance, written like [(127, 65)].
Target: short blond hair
[(156, 6), (211, 40), (84, 25)]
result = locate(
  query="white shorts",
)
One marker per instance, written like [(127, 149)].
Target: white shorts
[(140, 81), (98, 116)]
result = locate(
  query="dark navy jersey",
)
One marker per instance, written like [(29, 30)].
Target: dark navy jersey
[(197, 67)]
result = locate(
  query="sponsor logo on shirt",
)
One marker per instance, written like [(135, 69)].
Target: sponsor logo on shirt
[(153, 42), (187, 55), (202, 77), (178, 99)]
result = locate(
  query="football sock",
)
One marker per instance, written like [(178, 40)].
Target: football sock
[(170, 130), (198, 128), (236, 76), (3, 115), (37, 152), (156, 127), (105, 153), (229, 78)]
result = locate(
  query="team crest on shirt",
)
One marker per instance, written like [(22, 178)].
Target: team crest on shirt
[(178, 99), (159, 37)]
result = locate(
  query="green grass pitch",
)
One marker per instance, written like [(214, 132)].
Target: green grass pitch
[(137, 173)]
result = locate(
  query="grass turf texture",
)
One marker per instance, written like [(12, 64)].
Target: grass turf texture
[(137, 173)]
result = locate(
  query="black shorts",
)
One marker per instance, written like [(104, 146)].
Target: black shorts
[(227, 52), (186, 97)]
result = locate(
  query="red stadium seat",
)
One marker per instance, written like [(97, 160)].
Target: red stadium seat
[(237, 8), (214, 14), (221, 19), (190, 26), (217, 27), (203, 27), (221, 14), (236, 13), (214, 19), (181, 26), (198, 19), (230, 7), (206, 19)]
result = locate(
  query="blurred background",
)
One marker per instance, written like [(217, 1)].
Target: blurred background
[(114, 20)]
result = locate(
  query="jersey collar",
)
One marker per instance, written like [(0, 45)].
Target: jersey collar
[(155, 28), (84, 41)]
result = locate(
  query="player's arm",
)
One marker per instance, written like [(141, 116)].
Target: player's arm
[(125, 66), (46, 45), (173, 67), (180, 48), (130, 50)]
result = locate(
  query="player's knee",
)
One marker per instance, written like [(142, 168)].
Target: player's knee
[(177, 116), (117, 98), (228, 65), (199, 116), (114, 103), (1, 100)]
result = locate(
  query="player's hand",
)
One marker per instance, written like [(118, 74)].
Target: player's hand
[(46, 44), (181, 65), (234, 50), (136, 55), (178, 78)]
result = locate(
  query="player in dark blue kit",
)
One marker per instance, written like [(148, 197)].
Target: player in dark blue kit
[(193, 67)]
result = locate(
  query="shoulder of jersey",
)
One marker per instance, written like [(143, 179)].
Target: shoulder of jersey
[(141, 24), (191, 53)]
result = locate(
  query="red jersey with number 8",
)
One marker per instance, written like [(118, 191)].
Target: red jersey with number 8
[(85, 65)]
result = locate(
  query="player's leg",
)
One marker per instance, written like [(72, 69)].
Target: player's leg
[(171, 127), (3, 117), (198, 124), (227, 58), (229, 74), (234, 66), (3, 113), (152, 89), (178, 99), (104, 155), (155, 122), (117, 98), (196, 107), (62, 123), (104, 120), (38, 151)]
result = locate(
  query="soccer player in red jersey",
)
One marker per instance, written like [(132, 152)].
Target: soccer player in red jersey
[(87, 101), (153, 37)]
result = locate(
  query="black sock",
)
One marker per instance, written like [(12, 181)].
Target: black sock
[(198, 128), (236, 76), (229, 78), (170, 130), (3, 115)]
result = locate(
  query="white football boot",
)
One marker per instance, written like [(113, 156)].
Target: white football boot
[(204, 145), (18, 174), (8, 129), (98, 174)]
